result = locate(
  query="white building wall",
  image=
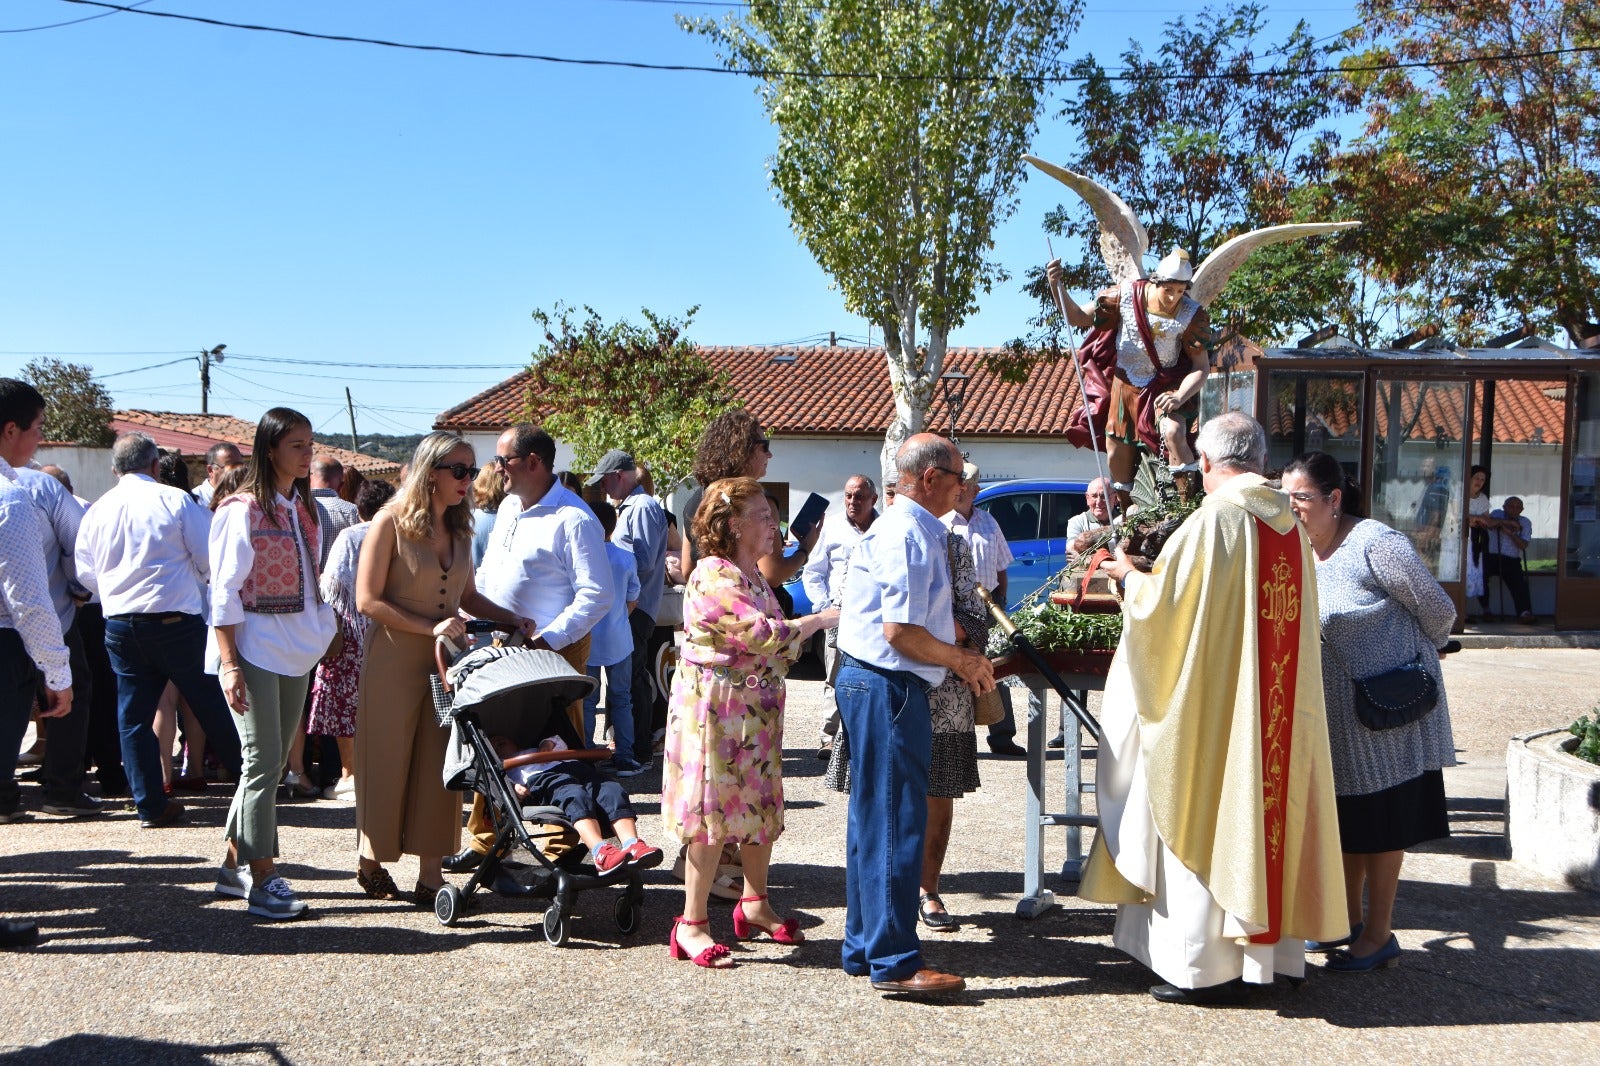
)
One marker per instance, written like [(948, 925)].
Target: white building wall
[(89, 468)]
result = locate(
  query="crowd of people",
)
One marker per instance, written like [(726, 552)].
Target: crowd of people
[(1249, 811)]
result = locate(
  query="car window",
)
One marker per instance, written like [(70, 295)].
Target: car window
[(1064, 506), (1017, 514)]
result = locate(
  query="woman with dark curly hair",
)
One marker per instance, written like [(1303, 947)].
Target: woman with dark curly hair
[(733, 445)]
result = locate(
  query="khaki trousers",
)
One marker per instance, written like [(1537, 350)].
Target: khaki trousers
[(266, 730)]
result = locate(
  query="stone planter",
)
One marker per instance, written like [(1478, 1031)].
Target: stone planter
[(1553, 808)]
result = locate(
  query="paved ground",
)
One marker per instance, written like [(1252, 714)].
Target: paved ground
[(142, 964)]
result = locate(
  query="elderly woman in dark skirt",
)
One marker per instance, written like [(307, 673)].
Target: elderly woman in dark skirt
[(1381, 609)]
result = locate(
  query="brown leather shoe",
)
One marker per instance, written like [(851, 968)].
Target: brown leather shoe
[(925, 982), (172, 814)]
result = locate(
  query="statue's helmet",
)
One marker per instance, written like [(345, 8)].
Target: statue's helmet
[(1175, 267)]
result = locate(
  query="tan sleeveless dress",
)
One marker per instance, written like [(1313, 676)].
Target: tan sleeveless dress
[(402, 806)]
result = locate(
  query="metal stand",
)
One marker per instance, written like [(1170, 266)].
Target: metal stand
[(1036, 899)]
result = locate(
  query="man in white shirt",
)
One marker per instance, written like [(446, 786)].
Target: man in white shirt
[(823, 577), (546, 561), (143, 547), (220, 458), (30, 632), (59, 514), (1509, 533), (1097, 515), (990, 557), (896, 640), (31, 640)]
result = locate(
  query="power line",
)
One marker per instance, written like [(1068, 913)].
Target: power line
[(58, 352), (378, 366), (74, 22), (752, 72), (142, 369)]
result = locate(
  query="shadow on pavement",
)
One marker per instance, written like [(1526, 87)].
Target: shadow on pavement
[(94, 1047)]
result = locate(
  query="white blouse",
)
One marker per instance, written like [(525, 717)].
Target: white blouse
[(286, 644)]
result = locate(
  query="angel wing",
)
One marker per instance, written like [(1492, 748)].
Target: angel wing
[(1213, 274), (1123, 240)]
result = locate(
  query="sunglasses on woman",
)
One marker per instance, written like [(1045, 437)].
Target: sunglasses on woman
[(459, 471)]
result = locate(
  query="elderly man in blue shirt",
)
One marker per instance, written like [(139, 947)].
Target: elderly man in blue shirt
[(897, 637)]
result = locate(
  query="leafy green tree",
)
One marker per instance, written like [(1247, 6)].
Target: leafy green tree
[(1201, 157), (78, 408), (645, 389), (1520, 80), (901, 128)]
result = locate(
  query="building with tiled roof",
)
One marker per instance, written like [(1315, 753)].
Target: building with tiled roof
[(195, 434), (827, 409), (833, 392)]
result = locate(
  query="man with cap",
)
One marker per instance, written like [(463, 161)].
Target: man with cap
[(990, 557), (1151, 342), (642, 530)]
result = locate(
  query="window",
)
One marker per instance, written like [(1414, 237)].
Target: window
[(1064, 507), (1017, 515)]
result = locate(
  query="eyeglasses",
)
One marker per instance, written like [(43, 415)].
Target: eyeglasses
[(1307, 497), (460, 471), (507, 460), (953, 473), (764, 444)]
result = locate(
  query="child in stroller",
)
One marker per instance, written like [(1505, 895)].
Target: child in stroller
[(583, 795)]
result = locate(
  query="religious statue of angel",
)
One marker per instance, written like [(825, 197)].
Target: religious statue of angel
[(1149, 342)]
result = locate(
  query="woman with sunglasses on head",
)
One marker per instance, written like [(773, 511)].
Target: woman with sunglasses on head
[(1381, 609), (271, 627), (413, 577)]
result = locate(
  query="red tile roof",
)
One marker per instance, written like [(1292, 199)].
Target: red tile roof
[(195, 434), (835, 392), (1523, 411)]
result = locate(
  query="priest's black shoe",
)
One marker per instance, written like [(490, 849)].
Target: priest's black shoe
[(462, 862), (1007, 747), (1228, 994)]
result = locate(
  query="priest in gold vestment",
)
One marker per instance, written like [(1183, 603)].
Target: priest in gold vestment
[(1218, 834)]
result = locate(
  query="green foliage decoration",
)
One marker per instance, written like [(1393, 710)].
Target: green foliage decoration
[(1587, 730)]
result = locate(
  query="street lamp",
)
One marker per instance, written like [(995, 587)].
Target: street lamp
[(954, 385)]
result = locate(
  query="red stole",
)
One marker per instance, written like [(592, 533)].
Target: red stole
[(1281, 570)]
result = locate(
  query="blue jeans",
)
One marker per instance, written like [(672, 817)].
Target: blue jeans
[(619, 705), (887, 720), (146, 652)]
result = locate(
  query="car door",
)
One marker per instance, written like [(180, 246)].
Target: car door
[(1020, 516)]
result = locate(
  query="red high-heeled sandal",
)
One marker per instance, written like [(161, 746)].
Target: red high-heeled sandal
[(711, 957), (744, 929)]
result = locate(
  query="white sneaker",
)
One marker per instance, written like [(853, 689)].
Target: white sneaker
[(275, 900), (233, 882), (344, 790)]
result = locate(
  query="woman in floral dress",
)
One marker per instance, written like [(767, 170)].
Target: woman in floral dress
[(724, 757)]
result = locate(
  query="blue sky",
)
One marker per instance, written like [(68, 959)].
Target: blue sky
[(171, 186)]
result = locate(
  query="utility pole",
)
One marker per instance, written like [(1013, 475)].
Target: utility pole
[(206, 358), (350, 406)]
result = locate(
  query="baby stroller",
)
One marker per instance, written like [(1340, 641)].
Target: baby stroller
[(522, 694)]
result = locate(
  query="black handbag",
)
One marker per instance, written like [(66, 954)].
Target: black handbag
[(1395, 697)]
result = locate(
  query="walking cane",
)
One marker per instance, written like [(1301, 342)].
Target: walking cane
[(1032, 654)]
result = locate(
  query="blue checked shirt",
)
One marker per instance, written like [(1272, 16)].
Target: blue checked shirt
[(24, 584), (900, 572)]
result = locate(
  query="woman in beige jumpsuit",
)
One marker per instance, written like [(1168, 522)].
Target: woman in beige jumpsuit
[(415, 573)]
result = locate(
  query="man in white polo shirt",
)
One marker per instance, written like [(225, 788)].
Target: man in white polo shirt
[(896, 640), (546, 561)]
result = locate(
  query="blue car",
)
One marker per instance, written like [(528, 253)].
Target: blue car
[(1033, 514)]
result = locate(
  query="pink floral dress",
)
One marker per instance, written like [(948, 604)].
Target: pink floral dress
[(724, 756)]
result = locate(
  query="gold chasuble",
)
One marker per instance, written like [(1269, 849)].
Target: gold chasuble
[(1215, 788)]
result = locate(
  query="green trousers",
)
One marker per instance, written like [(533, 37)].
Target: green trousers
[(266, 731)]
